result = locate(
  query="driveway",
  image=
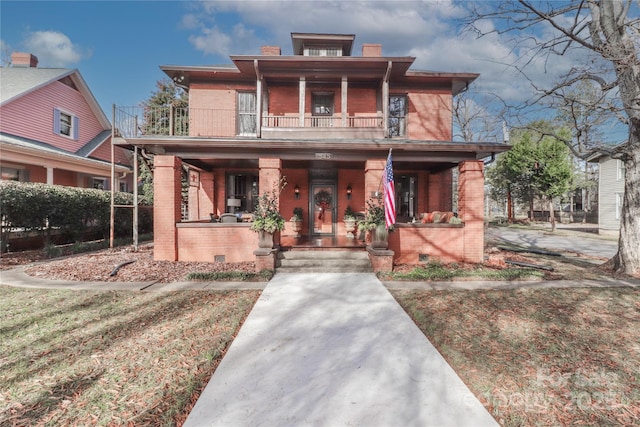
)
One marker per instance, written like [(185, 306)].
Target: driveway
[(573, 241)]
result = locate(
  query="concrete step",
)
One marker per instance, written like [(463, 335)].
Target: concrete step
[(323, 262)]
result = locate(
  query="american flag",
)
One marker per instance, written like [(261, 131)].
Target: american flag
[(389, 194)]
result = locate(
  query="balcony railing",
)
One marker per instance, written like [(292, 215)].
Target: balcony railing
[(140, 122)]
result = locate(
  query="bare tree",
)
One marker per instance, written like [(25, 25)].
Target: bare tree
[(473, 120), (607, 35)]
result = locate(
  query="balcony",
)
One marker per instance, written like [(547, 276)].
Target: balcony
[(141, 122)]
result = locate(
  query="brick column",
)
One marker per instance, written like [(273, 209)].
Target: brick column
[(207, 205), (269, 174), (166, 207), (471, 208), (373, 170)]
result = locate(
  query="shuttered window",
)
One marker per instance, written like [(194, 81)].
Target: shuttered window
[(65, 124)]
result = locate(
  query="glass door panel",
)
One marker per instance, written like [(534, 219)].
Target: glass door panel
[(323, 220)]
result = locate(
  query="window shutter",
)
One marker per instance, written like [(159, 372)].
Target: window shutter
[(56, 121), (75, 127)]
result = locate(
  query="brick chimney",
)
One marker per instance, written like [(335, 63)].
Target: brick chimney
[(369, 49), (23, 60), (270, 50)]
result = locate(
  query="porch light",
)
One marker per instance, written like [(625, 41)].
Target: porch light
[(348, 192), (296, 192)]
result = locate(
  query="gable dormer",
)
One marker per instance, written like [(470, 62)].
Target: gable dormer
[(312, 44)]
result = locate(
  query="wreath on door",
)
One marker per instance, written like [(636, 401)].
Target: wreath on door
[(323, 200)]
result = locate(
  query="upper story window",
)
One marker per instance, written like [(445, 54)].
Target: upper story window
[(322, 104), (398, 115), (322, 51), (65, 124), (246, 113)]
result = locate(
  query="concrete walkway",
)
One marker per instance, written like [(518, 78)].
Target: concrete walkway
[(333, 350)]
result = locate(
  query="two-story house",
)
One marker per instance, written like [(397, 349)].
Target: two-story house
[(325, 120), (52, 129)]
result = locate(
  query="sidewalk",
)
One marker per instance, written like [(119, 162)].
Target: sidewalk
[(333, 350)]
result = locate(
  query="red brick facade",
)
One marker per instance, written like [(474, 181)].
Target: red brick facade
[(346, 146)]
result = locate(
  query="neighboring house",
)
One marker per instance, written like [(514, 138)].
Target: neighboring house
[(325, 120), (611, 177), (52, 129)]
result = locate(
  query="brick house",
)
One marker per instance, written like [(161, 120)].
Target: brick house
[(325, 120), (52, 129)]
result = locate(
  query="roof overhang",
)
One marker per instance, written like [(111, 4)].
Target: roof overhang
[(15, 150), (221, 152)]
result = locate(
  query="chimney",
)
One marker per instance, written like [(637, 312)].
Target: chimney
[(23, 60), (369, 49), (270, 50)]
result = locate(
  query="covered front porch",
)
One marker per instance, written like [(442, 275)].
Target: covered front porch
[(323, 187)]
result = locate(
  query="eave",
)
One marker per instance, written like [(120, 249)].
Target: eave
[(408, 152)]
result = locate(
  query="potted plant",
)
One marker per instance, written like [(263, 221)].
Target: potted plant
[(296, 221), (374, 222), (266, 218), (349, 221)]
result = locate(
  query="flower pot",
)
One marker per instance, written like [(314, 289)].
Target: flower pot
[(265, 240), (296, 227), (350, 227), (380, 237)]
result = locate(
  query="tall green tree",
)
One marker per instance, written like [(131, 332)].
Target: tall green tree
[(538, 165)]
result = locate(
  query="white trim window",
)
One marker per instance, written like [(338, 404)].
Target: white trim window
[(65, 124), (398, 115), (620, 170), (618, 205), (247, 113)]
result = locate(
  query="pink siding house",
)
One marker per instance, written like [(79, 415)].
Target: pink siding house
[(52, 129), (325, 120)]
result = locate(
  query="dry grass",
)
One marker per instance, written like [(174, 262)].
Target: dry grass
[(540, 357), (111, 358)]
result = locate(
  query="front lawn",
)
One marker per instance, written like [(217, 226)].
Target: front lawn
[(544, 357), (111, 358)]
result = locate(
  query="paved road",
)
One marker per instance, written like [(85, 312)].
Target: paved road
[(583, 243)]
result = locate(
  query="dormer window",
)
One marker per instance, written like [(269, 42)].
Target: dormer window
[(322, 51)]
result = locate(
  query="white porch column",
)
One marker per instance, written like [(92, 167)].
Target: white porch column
[(343, 97), (301, 100), (49, 175), (385, 101), (258, 99)]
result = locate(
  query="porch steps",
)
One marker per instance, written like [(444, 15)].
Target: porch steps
[(323, 261)]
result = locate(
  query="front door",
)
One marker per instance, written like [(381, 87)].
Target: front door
[(322, 204)]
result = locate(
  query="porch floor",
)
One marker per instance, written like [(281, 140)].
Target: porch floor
[(303, 242)]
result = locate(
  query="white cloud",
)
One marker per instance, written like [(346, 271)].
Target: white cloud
[(53, 49), (424, 29)]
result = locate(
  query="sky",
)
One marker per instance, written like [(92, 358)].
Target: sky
[(118, 46)]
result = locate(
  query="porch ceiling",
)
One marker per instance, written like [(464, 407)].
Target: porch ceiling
[(208, 153)]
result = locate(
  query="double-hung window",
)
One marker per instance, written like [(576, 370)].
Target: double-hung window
[(65, 124), (246, 113), (398, 115)]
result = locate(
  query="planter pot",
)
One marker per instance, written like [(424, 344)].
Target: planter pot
[(380, 237), (350, 227), (296, 227), (265, 240)]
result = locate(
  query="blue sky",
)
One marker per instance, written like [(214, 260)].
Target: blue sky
[(118, 46)]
